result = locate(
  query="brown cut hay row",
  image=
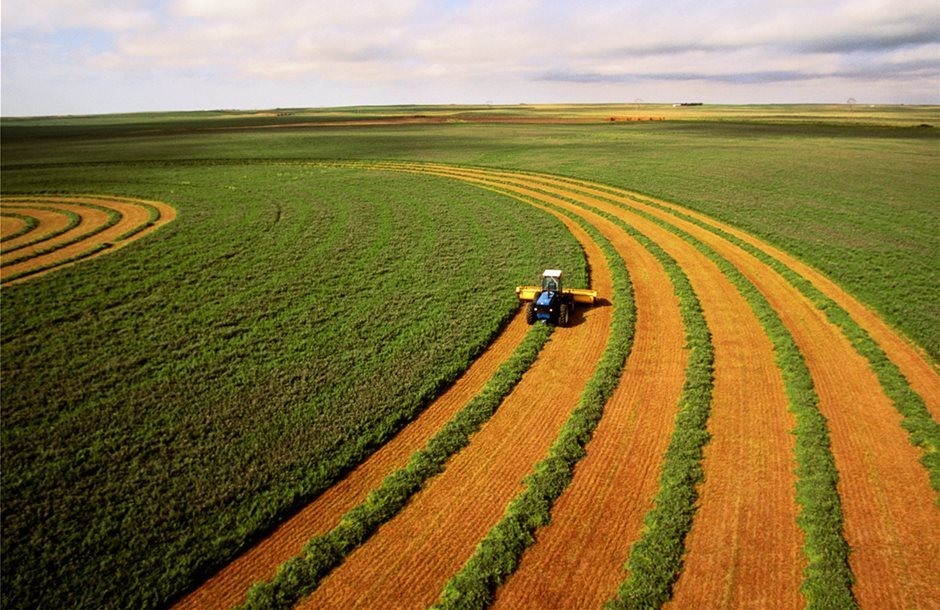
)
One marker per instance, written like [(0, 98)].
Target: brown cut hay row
[(576, 561), (749, 461), (887, 499), (50, 221), (229, 587), (65, 249), (406, 563), (10, 225)]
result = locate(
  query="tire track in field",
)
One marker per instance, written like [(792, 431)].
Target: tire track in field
[(229, 586), (750, 429), (106, 223), (408, 561)]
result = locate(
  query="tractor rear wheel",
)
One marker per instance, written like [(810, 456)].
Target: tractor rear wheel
[(530, 313), (563, 315)]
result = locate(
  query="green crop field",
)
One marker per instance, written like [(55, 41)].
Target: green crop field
[(165, 406)]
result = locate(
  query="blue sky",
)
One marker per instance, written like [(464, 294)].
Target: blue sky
[(102, 56)]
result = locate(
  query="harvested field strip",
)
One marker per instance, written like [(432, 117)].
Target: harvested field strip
[(764, 447), (925, 432), (92, 219), (880, 487), (908, 567), (303, 573), (412, 556), (230, 586), (895, 360), (843, 309), (576, 560), (754, 370), (908, 379), (95, 224), (498, 553), (815, 486), (13, 226), (757, 442), (919, 420), (51, 223)]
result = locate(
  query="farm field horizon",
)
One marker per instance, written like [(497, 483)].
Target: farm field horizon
[(314, 387)]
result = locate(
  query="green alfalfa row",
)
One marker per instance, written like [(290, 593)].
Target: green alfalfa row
[(498, 554), (922, 430), (302, 574), (827, 578)]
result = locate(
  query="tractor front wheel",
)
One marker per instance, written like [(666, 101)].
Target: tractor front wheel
[(530, 313)]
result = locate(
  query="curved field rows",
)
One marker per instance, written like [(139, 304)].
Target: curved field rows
[(886, 494), (750, 426), (11, 226), (745, 548), (583, 548), (51, 222), (922, 377), (72, 228), (412, 556), (229, 587)]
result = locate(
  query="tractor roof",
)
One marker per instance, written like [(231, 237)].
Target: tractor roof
[(551, 273)]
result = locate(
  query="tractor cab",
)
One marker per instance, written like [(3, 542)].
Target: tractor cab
[(551, 280)]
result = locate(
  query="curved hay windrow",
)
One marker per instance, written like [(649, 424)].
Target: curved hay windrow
[(68, 229)]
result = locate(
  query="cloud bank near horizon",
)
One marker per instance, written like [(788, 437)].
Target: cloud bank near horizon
[(91, 56)]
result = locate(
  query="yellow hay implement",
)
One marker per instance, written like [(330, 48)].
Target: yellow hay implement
[(581, 295)]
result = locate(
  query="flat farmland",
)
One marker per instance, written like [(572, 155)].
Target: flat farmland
[(313, 387)]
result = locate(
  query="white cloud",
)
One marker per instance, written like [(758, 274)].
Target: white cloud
[(443, 49), (51, 15)]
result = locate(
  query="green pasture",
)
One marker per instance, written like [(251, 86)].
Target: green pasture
[(164, 406), (853, 191)]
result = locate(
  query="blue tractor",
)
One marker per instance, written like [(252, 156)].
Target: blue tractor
[(550, 302)]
